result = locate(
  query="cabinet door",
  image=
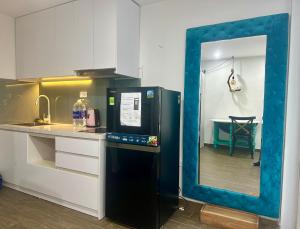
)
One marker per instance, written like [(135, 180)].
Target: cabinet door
[(25, 46), (6, 155), (7, 47), (85, 147), (65, 29), (105, 34), (74, 37), (84, 35), (35, 41), (128, 38), (12, 156), (45, 43)]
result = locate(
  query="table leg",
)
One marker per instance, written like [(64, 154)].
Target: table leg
[(230, 140), (216, 134), (253, 138)]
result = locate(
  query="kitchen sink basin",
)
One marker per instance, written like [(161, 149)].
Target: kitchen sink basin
[(32, 124)]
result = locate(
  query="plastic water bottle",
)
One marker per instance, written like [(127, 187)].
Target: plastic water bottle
[(80, 111)]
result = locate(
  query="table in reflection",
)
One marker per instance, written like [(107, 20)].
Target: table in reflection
[(226, 126)]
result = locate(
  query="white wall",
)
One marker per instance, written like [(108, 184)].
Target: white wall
[(7, 47), (164, 24), (219, 102), (163, 28), (292, 138)]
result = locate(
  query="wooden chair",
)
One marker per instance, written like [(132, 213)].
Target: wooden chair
[(242, 129)]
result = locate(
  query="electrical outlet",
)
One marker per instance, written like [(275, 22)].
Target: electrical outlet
[(83, 94)]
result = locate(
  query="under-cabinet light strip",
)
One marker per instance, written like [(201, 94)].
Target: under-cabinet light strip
[(67, 83), (19, 84)]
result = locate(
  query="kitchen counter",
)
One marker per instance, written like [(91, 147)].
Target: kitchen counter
[(63, 130), (56, 163)]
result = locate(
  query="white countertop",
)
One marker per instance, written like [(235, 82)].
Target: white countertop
[(64, 130)]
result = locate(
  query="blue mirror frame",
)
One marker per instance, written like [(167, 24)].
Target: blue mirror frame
[(276, 28)]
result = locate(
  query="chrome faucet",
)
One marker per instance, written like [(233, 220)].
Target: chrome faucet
[(48, 117)]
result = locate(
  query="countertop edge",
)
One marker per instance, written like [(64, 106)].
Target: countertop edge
[(66, 131)]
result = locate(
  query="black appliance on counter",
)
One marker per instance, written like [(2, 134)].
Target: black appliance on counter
[(142, 156)]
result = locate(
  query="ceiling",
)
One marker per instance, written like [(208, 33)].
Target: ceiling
[(16, 8), (242, 47)]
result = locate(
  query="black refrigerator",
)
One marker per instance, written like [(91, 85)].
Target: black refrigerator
[(142, 156)]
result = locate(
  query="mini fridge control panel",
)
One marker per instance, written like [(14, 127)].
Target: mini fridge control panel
[(144, 140)]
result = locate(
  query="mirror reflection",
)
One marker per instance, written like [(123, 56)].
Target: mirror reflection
[(231, 113)]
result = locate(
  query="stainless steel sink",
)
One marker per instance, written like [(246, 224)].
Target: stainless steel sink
[(32, 124)]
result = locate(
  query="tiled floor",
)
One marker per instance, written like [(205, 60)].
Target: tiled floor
[(21, 211)]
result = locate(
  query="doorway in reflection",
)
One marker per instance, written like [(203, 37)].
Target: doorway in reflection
[(231, 109)]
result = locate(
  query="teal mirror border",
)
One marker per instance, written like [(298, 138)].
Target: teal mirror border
[(276, 29)]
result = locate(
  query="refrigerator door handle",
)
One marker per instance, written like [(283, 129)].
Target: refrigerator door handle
[(133, 147)]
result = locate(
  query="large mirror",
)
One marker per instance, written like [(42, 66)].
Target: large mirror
[(231, 113), (234, 112)]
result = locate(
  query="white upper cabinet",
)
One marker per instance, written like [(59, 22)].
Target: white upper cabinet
[(35, 44), (65, 42), (128, 39), (74, 37), (7, 47), (80, 35), (105, 34), (116, 34), (84, 34)]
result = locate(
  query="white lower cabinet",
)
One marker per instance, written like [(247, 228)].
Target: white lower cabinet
[(77, 189), (77, 146), (12, 145), (9, 163), (72, 180), (77, 162)]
